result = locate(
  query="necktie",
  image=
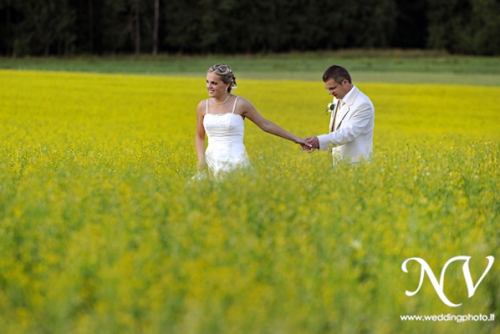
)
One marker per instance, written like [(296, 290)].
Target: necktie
[(340, 104)]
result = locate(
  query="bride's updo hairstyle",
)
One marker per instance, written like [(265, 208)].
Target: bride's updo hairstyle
[(226, 75)]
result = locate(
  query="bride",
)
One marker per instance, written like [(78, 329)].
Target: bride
[(221, 118)]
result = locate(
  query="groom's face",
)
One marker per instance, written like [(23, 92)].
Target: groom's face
[(339, 90)]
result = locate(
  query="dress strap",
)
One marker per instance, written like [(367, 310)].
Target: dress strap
[(234, 107), (206, 108)]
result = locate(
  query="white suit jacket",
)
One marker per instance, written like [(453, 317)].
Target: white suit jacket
[(353, 137)]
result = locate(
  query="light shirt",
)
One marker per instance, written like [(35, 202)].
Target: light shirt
[(346, 97), (342, 103)]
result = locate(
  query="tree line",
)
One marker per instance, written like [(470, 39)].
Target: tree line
[(73, 27)]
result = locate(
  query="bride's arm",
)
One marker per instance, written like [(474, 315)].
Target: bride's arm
[(249, 111), (199, 139)]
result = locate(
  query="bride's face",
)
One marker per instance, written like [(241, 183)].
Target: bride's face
[(215, 86)]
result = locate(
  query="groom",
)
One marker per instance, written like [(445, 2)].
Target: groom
[(351, 122)]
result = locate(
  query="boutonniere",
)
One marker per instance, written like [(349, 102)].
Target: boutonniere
[(330, 108)]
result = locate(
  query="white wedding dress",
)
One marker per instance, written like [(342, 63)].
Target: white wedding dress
[(225, 151)]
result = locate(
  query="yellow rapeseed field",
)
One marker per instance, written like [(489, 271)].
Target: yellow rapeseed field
[(101, 230)]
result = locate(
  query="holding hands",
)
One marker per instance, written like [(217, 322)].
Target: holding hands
[(311, 144), (302, 142)]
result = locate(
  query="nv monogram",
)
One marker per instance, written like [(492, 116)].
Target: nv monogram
[(438, 286)]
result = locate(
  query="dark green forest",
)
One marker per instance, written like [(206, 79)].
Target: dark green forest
[(101, 27)]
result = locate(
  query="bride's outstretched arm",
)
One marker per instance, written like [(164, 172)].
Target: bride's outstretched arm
[(249, 111), (199, 138)]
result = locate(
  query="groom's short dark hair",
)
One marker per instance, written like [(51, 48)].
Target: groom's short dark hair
[(337, 73)]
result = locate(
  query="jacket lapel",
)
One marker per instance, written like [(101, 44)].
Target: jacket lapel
[(332, 114), (347, 107)]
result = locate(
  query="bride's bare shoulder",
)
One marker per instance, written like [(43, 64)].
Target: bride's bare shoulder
[(244, 103), (202, 106)]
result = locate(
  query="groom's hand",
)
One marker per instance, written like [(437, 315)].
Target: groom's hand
[(313, 143), (307, 148)]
